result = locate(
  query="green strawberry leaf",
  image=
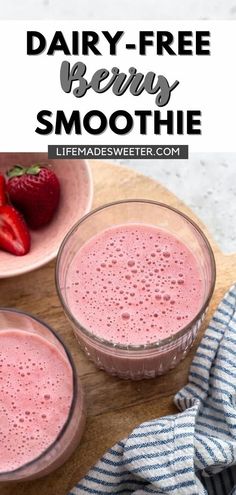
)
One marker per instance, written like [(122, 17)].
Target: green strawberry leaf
[(18, 171), (33, 170)]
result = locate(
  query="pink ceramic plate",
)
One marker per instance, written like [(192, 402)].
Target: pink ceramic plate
[(76, 200)]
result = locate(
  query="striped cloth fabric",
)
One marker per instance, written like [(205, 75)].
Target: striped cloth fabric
[(194, 451)]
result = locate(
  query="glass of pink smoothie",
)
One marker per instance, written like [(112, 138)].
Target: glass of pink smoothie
[(135, 279), (41, 399)]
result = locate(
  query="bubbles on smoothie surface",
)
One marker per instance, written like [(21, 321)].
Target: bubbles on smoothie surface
[(134, 284), (33, 377)]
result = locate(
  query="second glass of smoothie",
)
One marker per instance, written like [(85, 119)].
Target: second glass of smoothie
[(135, 279), (41, 399)]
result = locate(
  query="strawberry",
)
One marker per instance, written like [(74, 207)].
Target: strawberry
[(14, 233), (35, 191)]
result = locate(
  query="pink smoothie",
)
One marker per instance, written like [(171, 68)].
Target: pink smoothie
[(134, 284), (36, 389)]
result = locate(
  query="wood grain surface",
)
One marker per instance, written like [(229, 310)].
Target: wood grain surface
[(114, 406)]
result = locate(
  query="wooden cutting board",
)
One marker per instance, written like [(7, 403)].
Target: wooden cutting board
[(115, 406)]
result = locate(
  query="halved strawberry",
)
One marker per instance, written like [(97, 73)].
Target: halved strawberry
[(14, 233)]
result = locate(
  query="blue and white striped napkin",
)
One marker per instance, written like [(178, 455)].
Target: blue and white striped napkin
[(194, 451)]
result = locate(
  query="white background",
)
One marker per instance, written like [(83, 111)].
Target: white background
[(31, 83), (122, 9)]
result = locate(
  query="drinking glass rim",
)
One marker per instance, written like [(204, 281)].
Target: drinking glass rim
[(140, 347), (74, 398)]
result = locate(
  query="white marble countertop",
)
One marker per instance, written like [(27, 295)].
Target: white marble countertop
[(206, 182)]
